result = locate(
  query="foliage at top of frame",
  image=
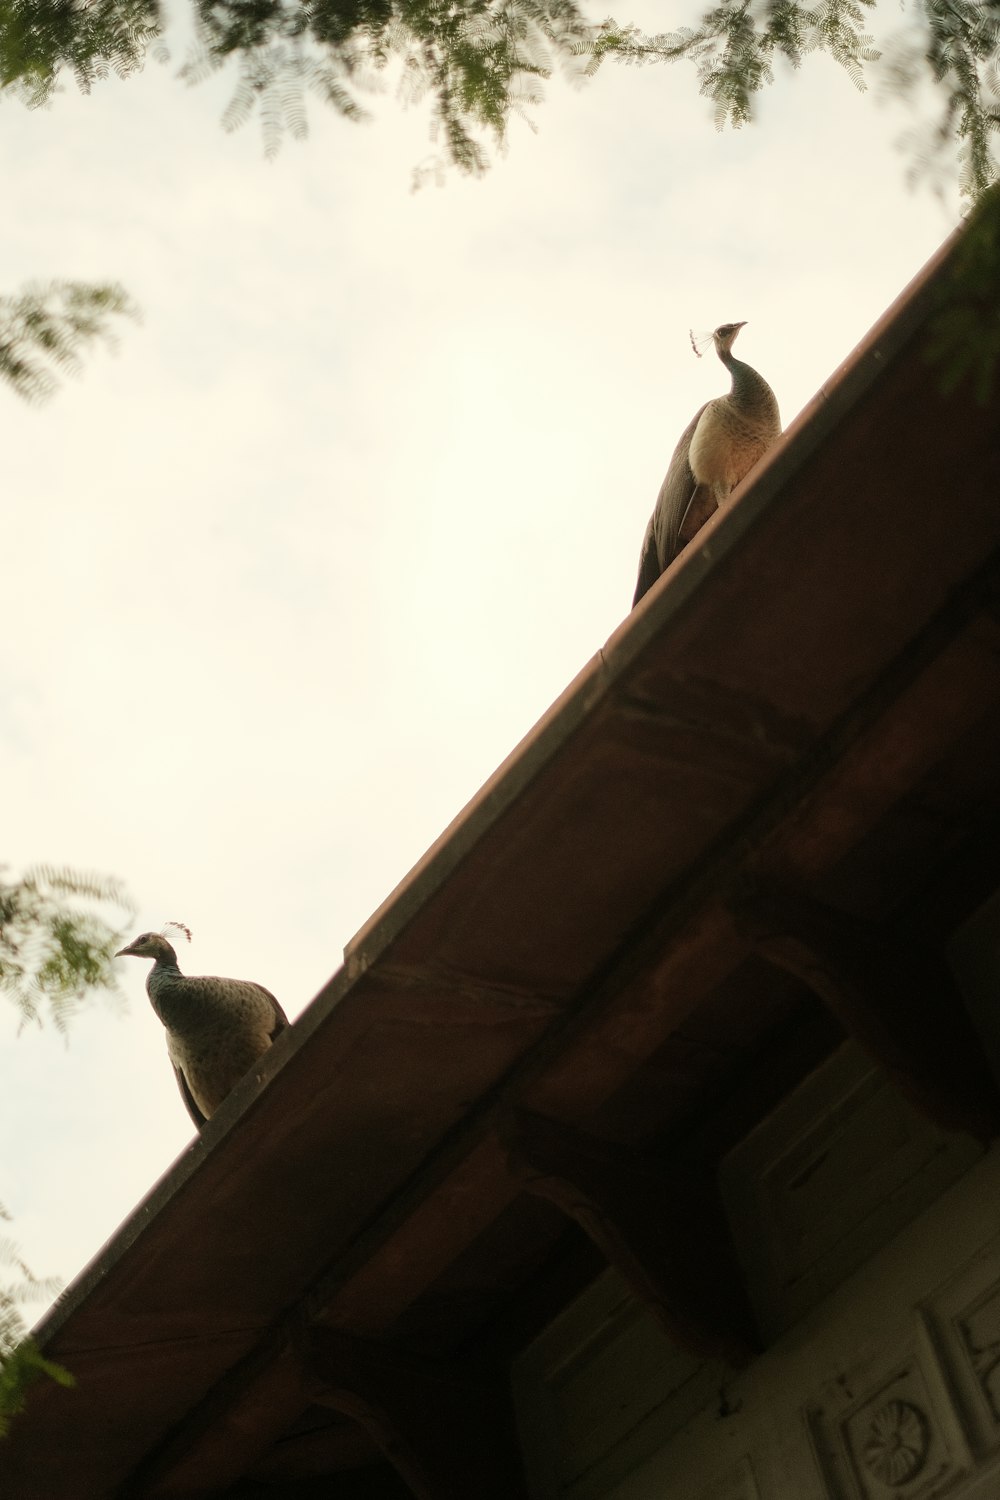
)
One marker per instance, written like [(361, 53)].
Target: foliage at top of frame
[(956, 44), (39, 39), (481, 61)]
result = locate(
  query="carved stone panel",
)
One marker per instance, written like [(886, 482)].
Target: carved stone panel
[(963, 1319), (896, 1371), (979, 1330), (896, 1438)]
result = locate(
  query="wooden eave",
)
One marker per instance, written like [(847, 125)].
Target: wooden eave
[(746, 829)]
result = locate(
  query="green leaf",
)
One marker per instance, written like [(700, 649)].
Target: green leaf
[(20, 1368)]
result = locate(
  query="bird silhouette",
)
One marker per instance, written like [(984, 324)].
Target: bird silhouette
[(216, 1028), (718, 448)]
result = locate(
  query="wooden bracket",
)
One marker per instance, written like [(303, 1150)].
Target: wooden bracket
[(446, 1427), (666, 1237), (898, 999)]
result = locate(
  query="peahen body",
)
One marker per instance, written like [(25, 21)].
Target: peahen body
[(718, 448), (216, 1028)]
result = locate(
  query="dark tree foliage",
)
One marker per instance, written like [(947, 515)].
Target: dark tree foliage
[(955, 44), (44, 328), (734, 46), (965, 331), (39, 41), (480, 61), (476, 60), (56, 944)]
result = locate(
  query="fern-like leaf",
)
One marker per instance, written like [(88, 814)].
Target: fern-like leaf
[(44, 329)]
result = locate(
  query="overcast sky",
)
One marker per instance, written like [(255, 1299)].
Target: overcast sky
[(288, 576)]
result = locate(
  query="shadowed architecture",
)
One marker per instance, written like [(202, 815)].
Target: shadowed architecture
[(641, 1145)]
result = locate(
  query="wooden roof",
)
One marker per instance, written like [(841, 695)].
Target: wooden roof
[(745, 829)]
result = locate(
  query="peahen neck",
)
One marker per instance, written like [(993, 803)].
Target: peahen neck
[(749, 391), (171, 995), (167, 959)]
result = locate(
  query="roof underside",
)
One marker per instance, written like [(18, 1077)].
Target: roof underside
[(640, 928)]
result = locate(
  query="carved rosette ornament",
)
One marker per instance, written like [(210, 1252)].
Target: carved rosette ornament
[(895, 1448)]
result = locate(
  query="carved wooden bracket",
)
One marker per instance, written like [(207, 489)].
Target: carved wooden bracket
[(897, 999), (446, 1427), (666, 1237)]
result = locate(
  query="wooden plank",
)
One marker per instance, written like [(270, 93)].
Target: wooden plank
[(232, 1427)]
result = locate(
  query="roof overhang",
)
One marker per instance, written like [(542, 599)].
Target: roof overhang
[(773, 787)]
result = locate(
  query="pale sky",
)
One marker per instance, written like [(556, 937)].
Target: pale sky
[(289, 575)]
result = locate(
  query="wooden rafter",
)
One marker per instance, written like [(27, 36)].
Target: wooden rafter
[(447, 1427), (896, 997), (665, 1235)]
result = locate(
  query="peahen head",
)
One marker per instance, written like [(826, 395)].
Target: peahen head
[(723, 337), (149, 945)]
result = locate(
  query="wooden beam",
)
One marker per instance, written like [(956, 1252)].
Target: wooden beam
[(447, 1427), (228, 1429), (896, 997), (666, 1236)]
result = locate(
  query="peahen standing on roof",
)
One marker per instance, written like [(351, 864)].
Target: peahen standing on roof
[(216, 1028), (718, 447)]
